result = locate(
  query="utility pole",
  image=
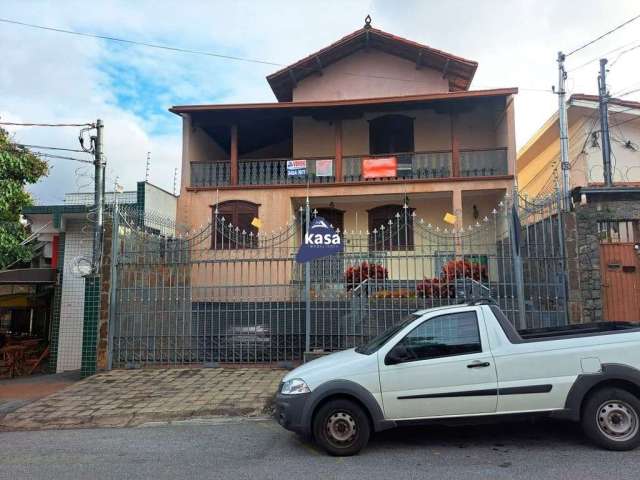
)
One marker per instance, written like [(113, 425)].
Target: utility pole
[(564, 132), (98, 196), (603, 97)]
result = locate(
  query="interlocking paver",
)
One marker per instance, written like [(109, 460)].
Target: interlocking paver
[(130, 397)]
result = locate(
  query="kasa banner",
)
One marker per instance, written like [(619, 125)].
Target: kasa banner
[(320, 241)]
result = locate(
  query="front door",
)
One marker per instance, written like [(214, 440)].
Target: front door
[(447, 369), (620, 267)]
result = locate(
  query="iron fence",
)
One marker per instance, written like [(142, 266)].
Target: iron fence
[(224, 295)]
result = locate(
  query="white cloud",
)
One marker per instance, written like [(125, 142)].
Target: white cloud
[(54, 77)]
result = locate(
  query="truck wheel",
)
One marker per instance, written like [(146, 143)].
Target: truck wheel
[(341, 428), (611, 419)]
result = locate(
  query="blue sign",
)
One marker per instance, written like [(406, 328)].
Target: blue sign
[(320, 241)]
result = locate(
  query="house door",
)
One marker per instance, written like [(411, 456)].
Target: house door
[(620, 267)]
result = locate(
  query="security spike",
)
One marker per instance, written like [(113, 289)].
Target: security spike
[(413, 214), (421, 221), (485, 219), (244, 232), (494, 211), (429, 226)]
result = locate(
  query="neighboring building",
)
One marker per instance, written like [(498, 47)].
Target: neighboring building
[(539, 159), (65, 234), (606, 234), (374, 119)]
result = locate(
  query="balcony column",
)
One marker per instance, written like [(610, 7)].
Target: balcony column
[(455, 147), (234, 155), (338, 156)]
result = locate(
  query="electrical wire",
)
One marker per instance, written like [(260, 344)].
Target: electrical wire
[(602, 36), (43, 147), (48, 124), (212, 54), (595, 59), (11, 148)]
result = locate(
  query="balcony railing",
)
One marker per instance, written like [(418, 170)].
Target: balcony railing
[(210, 174), (410, 166), (273, 171), (413, 165), (483, 163)]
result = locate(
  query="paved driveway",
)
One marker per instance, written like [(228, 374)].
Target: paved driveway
[(130, 397), (250, 449)]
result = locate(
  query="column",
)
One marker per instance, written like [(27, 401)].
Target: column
[(455, 148), (234, 155), (338, 160)]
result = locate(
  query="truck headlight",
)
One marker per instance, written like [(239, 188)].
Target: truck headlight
[(294, 386)]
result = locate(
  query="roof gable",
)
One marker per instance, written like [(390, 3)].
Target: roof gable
[(459, 71)]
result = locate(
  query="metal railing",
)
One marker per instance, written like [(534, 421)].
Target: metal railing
[(483, 163), (273, 171), (210, 174), (177, 300), (410, 165)]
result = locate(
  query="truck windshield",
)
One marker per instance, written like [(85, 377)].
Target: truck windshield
[(374, 344)]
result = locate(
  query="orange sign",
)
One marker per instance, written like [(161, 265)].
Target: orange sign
[(379, 167)]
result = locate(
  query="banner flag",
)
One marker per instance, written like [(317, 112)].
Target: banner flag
[(320, 241)]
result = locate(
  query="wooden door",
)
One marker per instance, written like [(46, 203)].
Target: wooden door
[(620, 267)]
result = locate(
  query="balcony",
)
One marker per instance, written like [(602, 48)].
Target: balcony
[(410, 166)]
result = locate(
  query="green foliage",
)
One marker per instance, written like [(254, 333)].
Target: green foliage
[(18, 168)]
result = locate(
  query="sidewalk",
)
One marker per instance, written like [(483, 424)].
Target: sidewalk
[(132, 397), (20, 391)]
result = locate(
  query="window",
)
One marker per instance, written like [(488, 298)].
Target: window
[(444, 336), (238, 213), (398, 236), (619, 231)]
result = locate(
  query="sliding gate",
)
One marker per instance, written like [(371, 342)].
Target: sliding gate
[(224, 295)]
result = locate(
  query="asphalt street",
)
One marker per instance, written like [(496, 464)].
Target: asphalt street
[(260, 449)]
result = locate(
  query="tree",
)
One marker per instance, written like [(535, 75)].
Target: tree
[(18, 168)]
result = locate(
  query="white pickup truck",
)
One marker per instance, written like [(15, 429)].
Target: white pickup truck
[(467, 362)]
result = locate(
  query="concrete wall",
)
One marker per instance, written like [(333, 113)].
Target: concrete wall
[(77, 244), (478, 129), (625, 160), (367, 74)]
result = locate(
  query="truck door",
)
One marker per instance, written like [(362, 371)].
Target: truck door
[(442, 367)]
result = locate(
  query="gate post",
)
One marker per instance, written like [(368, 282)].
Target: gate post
[(517, 260), (307, 286), (113, 285)]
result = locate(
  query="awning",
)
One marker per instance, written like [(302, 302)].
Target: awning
[(32, 276)]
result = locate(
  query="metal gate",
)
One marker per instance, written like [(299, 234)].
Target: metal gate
[(224, 295)]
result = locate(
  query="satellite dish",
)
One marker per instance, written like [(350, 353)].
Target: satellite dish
[(81, 266)]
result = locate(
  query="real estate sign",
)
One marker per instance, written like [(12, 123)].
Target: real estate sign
[(296, 168)]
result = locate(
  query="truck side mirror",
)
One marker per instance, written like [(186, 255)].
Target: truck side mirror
[(397, 354)]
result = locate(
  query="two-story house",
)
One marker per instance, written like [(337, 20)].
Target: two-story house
[(372, 121)]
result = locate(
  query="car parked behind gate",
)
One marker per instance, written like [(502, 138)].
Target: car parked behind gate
[(468, 361)]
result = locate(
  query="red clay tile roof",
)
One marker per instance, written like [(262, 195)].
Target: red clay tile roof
[(460, 71), (337, 103)]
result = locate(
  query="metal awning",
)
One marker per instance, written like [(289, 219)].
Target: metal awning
[(31, 276)]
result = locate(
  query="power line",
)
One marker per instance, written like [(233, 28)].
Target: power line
[(602, 36), (48, 124), (11, 148), (42, 147), (209, 54), (595, 59), (143, 44)]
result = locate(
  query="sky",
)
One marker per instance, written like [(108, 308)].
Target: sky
[(49, 77)]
